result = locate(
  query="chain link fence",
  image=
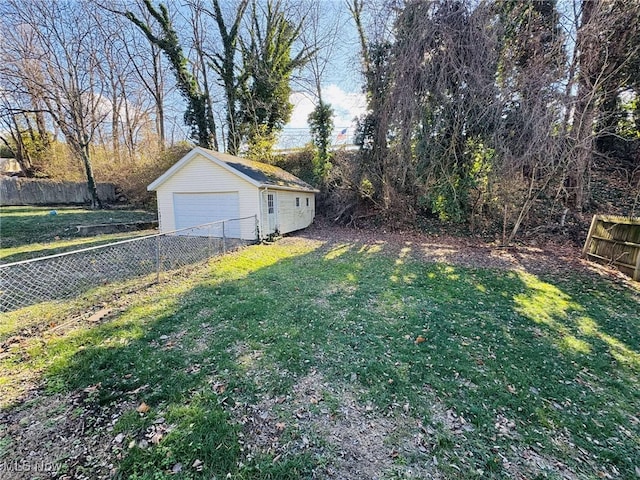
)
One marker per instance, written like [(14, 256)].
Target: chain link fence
[(66, 275)]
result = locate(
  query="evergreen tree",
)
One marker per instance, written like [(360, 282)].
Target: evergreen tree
[(267, 68), (321, 125)]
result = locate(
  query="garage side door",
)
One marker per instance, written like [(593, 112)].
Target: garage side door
[(193, 209)]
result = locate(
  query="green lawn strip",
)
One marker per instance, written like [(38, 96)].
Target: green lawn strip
[(28, 225), (546, 365), (35, 250), (488, 355), (133, 351), (484, 359)]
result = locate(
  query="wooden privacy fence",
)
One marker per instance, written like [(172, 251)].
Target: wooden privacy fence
[(31, 191), (616, 241)]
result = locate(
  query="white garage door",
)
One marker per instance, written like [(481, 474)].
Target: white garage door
[(192, 209)]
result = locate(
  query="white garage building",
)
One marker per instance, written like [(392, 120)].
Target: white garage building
[(206, 186)]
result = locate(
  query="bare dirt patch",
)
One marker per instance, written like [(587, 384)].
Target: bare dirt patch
[(60, 436)]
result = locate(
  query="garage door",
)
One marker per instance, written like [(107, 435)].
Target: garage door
[(192, 209)]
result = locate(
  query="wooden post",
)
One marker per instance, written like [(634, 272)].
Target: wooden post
[(636, 274), (587, 243)]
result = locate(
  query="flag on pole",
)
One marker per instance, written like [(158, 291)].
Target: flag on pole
[(342, 135)]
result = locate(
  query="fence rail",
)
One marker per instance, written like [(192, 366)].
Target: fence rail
[(616, 241), (65, 275)]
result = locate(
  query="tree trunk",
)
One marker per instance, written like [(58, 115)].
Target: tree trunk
[(91, 182), (21, 153), (115, 123), (233, 144), (579, 175), (585, 111), (158, 96), (42, 128), (160, 124), (129, 132), (211, 122)]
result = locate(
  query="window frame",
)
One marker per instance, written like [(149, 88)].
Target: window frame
[(270, 204)]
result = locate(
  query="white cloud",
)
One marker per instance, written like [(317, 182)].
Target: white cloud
[(302, 107), (346, 107)]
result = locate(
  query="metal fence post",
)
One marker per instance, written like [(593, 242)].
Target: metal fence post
[(158, 259), (54, 277), (224, 240), (209, 241)]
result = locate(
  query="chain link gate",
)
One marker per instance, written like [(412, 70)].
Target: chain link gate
[(62, 276)]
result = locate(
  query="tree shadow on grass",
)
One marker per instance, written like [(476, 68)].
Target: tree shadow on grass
[(174, 355), (558, 356), (528, 362)]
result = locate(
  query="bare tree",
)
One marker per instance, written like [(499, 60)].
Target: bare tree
[(321, 36), (145, 60), (463, 107), (51, 50), (224, 63), (605, 45), (200, 66), (12, 133), (19, 111), (376, 43), (198, 115)]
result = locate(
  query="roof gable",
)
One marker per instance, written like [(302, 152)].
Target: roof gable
[(257, 173)]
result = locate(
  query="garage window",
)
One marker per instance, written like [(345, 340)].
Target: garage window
[(307, 201), (270, 203), (297, 201)]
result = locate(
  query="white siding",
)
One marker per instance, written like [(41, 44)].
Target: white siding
[(291, 217), (200, 175), (203, 176)]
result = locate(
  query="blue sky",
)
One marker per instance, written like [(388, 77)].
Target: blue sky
[(341, 79)]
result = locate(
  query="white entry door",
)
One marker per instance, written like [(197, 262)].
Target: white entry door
[(193, 209), (271, 202)]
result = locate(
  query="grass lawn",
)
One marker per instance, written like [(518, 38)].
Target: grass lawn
[(28, 232), (27, 225), (306, 359)]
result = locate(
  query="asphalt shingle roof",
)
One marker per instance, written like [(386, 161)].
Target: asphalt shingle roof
[(262, 172)]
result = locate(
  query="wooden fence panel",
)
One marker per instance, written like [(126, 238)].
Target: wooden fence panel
[(30, 191), (616, 241)]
